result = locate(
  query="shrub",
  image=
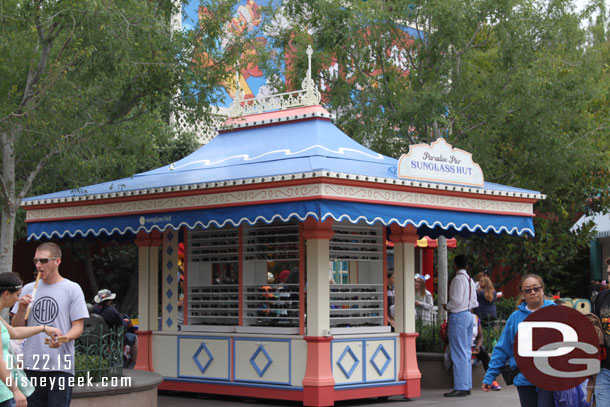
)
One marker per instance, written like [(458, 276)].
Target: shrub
[(505, 307), (429, 339), (94, 365)]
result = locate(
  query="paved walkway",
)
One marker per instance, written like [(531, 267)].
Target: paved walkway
[(507, 397)]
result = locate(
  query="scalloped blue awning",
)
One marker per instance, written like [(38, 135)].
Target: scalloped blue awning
[(291, 143), (429, 222)]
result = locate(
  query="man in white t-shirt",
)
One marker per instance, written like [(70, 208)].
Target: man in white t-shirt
[(56, 302)]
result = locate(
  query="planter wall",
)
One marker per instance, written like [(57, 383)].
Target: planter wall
[(142, 392), (434, 375)]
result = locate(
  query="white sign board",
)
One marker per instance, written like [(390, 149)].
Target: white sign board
[(440, 162)]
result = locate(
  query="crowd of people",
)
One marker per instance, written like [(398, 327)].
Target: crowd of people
[(49, 314), (471, 307)]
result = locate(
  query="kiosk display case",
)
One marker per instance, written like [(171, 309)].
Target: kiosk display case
[(271, 277), (213, 273), (284, 220), (357, 270)]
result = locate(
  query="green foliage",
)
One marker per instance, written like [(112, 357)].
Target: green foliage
[(114, 267), (94, 365), (88, 88), (505, 306), (491, 335), (520, 84), (428, 339)]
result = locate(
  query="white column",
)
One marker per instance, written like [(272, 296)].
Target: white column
[(318, 303), (148, 286), (317, 236), (404, 278), (143, 283), (153, 286)]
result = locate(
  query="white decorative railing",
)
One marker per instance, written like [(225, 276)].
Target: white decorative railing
[(206, 131), (307, 96)]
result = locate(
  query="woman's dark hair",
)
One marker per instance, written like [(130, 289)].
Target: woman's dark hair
[(10, 282)]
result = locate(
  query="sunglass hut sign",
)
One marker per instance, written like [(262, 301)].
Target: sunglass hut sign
[(440, 162)]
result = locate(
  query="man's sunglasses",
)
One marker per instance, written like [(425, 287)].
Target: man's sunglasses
[(534, 290), (43, 261)]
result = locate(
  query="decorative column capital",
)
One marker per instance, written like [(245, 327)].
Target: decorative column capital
[(313, 229), (156, 238), (400, 234), (142, 239), (145, 239)]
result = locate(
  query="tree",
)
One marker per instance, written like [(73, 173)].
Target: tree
[(87, 89), (519, 83)]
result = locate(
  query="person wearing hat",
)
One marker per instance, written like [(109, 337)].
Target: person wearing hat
[(110, 314), (113, 319)]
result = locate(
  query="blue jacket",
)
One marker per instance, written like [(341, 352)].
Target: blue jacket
[(504, 349)]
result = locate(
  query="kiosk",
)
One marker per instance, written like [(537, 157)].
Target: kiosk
[(284, 220)]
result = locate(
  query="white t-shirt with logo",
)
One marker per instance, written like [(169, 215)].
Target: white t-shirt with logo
[(55, 305)]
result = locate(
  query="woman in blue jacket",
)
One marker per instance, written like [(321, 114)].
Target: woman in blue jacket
[(532, 290)]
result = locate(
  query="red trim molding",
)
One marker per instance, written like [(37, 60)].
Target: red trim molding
[(399, 234), (313, 229), (409, 370), (144, 361), (318, 383)]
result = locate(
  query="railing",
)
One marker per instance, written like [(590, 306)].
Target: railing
[(99, 353), (429, 339)]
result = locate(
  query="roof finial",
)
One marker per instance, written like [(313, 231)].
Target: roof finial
[(309, 54), (307, 96)]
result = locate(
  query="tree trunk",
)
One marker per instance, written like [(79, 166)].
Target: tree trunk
[(442, 276), (9, 204)]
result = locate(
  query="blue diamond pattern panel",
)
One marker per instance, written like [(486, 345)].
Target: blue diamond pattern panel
[(169, 308), (198, 362), (170, 250), (348, 352), (169, 322), (169, 265), (170, 236), (169, 279), (255, 363), (169, 293), (381, 370)]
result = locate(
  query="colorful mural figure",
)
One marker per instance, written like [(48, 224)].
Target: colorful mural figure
[(252, 82), (247, 18)]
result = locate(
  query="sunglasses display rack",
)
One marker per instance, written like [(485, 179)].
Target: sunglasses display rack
[(271, 305), (356, 306), (213, 305), (356, 243), (274, 242), (214, 245), (213, 290)]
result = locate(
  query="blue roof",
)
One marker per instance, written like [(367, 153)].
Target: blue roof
[(286, 148), (300, 145)]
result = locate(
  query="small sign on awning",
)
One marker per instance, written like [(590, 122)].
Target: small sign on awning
[(440, 162)]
